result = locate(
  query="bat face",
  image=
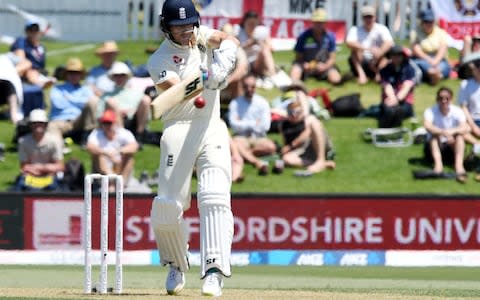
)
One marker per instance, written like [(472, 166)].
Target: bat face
[(184, 90)]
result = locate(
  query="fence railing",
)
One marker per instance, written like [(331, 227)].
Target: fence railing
[(90, 20)]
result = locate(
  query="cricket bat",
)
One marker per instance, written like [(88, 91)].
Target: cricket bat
[(184, 90)]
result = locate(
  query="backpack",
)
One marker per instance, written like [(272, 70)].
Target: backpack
[(347, 106), (73, 175)]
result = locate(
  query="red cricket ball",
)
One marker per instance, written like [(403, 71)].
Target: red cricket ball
[(199, 102)]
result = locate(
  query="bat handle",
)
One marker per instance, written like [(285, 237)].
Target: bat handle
[(204, 75)]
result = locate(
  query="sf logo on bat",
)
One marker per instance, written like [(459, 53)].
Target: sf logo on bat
[(192, 87)]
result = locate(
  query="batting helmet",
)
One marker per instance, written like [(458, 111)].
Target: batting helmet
[(178, 12)]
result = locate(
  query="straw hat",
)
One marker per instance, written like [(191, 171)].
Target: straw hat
[(107, 47), (74, 64)]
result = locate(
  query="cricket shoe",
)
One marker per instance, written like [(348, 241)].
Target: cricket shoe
[(175, 281), (213, 284)]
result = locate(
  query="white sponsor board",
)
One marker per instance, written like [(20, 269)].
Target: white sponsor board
[(429, 258)]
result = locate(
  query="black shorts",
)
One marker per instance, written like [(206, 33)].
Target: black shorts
[(6, 90)]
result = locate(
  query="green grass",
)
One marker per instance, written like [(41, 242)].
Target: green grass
[(361, 167), (384, 281)]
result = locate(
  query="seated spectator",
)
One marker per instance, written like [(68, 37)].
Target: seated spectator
[(255, 40), (469, 101), (234, 80), (73, 105), (471, 44), (131, 105), (315, 52), (306, 142), (446, 126), (41, 156), (98, 77), (249, 118), (112, 148), (430, 49), (369, 45), (11, 89), (31, 48), (398, 82)]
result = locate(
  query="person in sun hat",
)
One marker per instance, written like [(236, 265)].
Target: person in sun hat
[(369, 44), (40, 155), (73, 104), (97, 77), (131, 105), (112, 147), (315, 51)]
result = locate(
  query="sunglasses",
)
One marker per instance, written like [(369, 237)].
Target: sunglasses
[(107, 123), (440, 98), (294, 112)]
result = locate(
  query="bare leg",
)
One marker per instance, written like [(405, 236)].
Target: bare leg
[(319, 144), (357, 64), (126, 167), (142, 114), (459, 154), (245, 151), (333, 76), (436, 155), (263, 146), (296, 72)]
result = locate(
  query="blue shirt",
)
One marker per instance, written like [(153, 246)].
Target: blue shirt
[(313, 49), (68, 100), (35, 54), (396, 77), (98, 77), (249, 118)]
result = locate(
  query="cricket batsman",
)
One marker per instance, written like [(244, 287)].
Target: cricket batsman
[(193, 136)]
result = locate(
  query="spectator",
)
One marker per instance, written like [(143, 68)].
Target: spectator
[(41, 156), (398, 81), (249, 118), (73, 105), (369, 45), (471, 44), (234, 80), (446, 126), (98, 77), (315, 52), (131, 105), (306, 142), (31, 48), (469, 101), (112, 148), (430, 49), (11, 89), (255, 40)]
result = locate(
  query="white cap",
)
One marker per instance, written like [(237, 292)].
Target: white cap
[(119, 68), (38, 115)]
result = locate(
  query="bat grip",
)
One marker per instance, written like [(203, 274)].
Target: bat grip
[(204, 75)]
